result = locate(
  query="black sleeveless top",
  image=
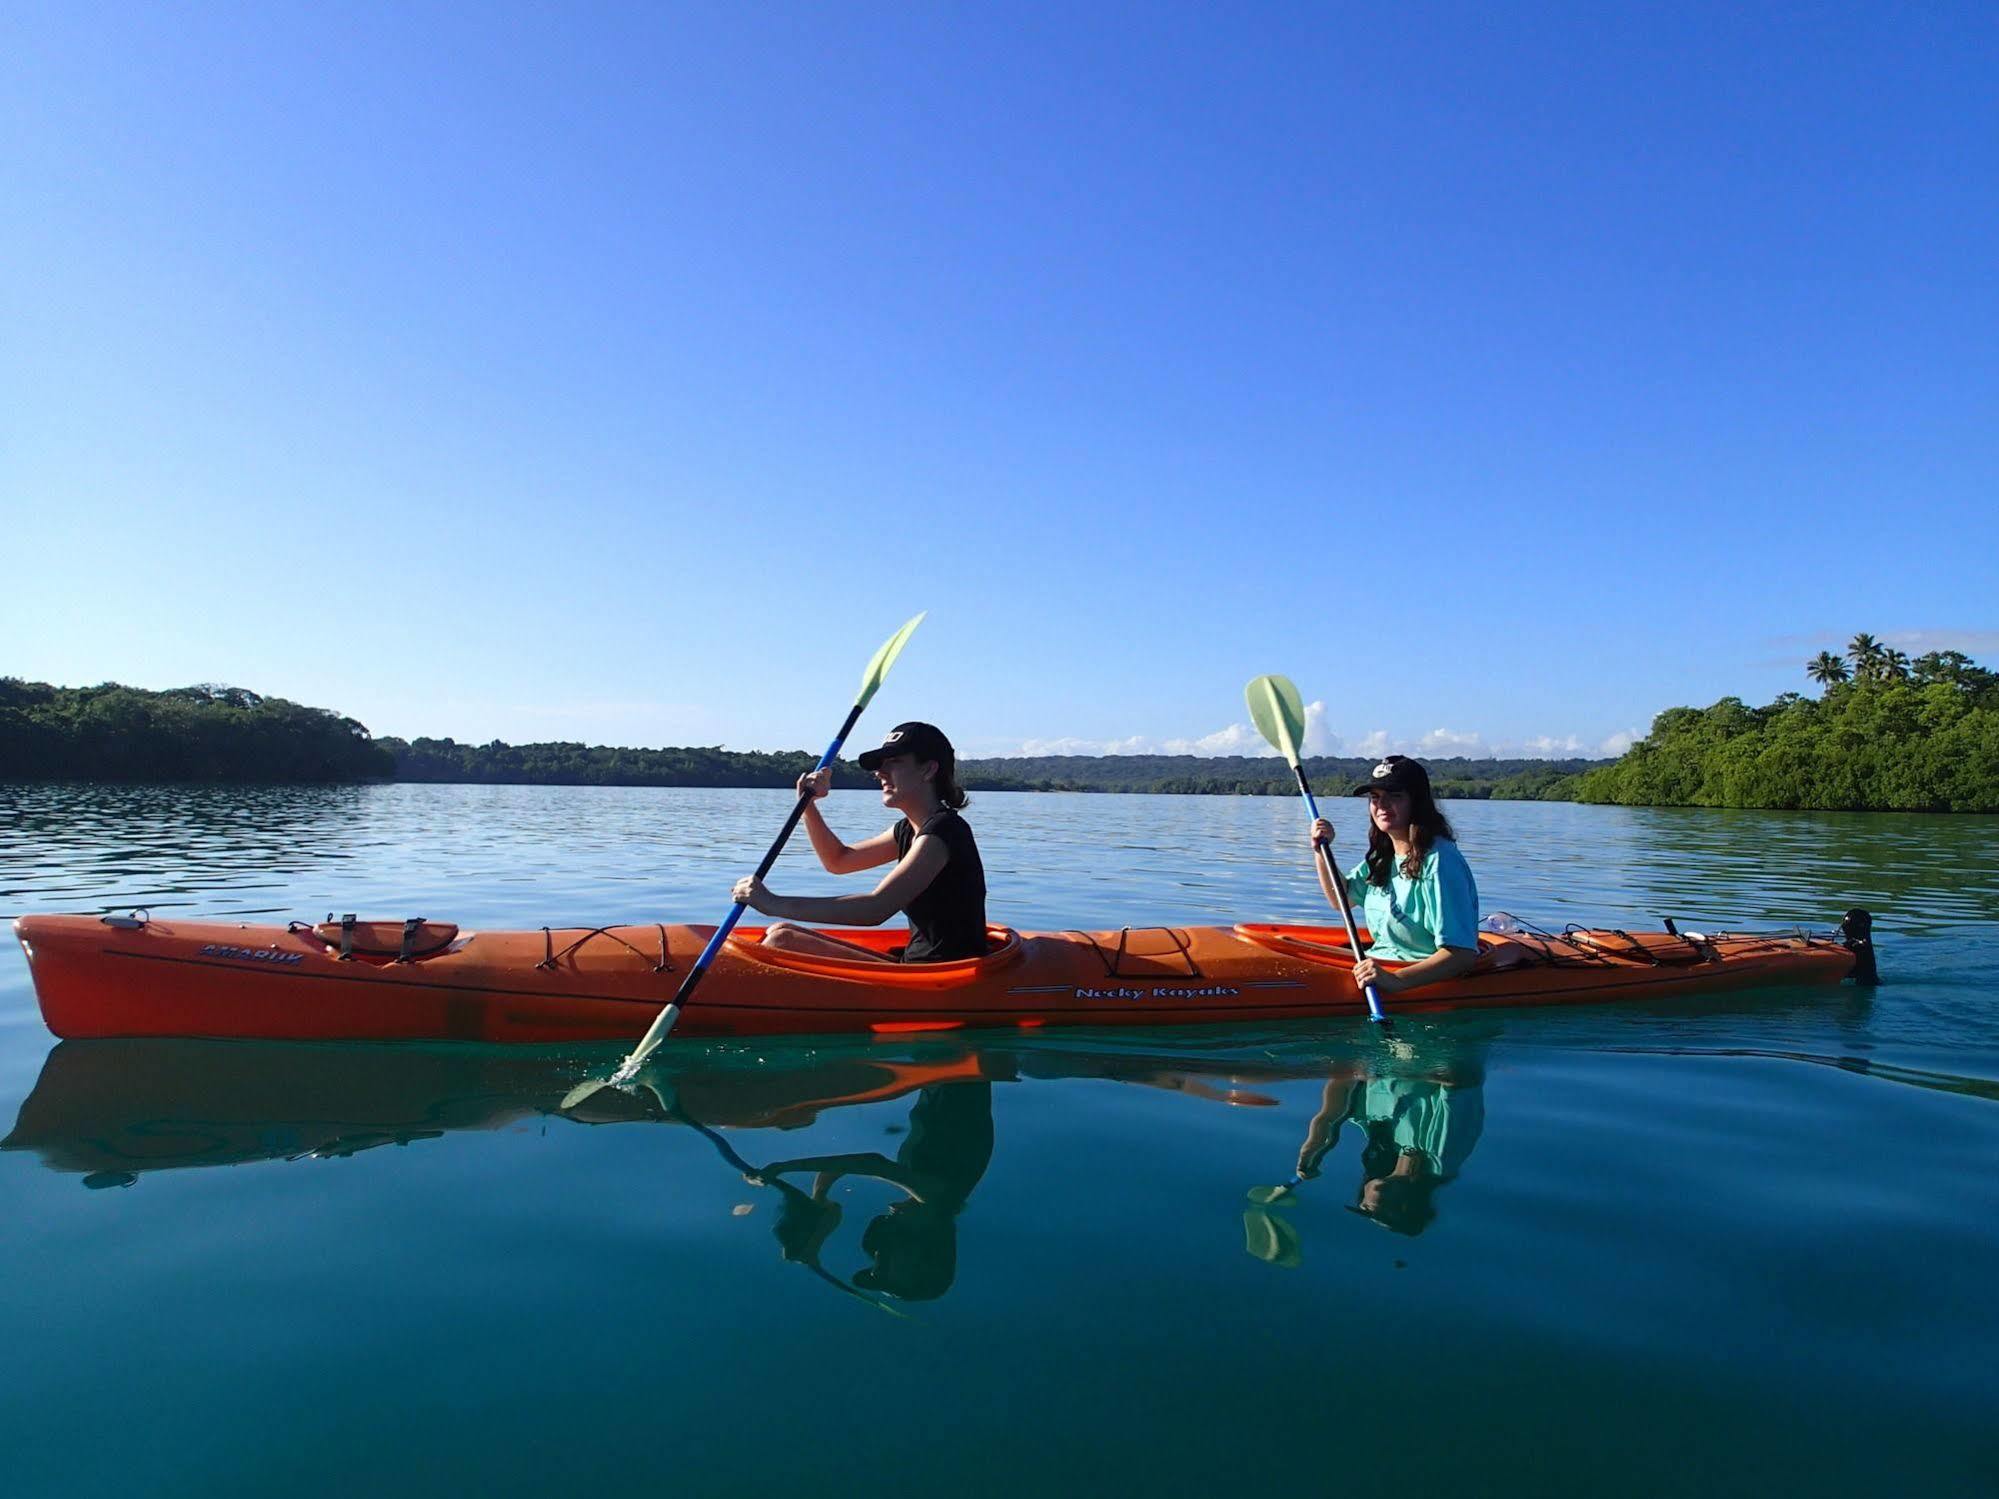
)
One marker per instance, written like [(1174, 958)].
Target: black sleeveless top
[(948, 920)]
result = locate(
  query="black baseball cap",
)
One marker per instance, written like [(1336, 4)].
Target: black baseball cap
[(925, 741), (1396, 773)]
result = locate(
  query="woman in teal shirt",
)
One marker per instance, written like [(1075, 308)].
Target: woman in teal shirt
[(1414, 889)]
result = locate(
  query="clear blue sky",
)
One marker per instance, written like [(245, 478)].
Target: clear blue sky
[(627, 373)]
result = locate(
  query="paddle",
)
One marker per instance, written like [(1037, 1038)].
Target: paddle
[(1265, 1196), (1279, 715), (871, 681), (1271, 1239), (1268, 1196)]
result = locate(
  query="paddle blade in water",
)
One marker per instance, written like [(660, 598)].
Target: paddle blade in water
[(1271, 1239), (587, 1089), (1278, 713), (871, 679), (1262, 1196)]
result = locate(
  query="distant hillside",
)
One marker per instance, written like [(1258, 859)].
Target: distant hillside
[(215, 733), (1244, 775), (568, 764)]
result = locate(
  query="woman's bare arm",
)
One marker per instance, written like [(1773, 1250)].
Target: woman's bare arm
[(847, 858), (910, 877), (836, 856)]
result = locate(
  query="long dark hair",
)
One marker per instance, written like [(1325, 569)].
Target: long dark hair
[(1427, 824)]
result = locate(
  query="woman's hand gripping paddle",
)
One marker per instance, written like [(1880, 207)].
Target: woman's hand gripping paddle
[(1279, 715), (871, 680)]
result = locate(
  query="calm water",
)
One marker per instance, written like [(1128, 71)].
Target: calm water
[(1747, 1245)]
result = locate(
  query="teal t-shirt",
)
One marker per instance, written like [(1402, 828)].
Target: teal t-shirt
[(1441, 1120), (1411, 919)]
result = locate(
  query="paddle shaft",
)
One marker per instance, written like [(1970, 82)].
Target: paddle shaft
[(664, 1024), (1339, 884)]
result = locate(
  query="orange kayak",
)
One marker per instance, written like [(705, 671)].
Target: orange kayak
[(422, 980)]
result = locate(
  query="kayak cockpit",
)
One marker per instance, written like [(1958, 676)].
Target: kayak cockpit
[(1003, 948), (1315, 944)]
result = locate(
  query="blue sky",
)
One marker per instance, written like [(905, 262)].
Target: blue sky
[(627, 373)]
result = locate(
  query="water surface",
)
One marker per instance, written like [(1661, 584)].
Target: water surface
[(1745, 1244)]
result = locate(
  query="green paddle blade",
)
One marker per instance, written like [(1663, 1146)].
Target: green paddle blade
[(1278, 713), (871, 679), (1271, 1239)]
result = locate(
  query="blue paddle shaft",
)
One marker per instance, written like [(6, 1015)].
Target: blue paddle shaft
[(770, 858), (1339, 884)]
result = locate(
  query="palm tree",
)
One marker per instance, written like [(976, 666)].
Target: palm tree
[(1941, 666), (1825, 668), (1894, 665), (1865, 651)]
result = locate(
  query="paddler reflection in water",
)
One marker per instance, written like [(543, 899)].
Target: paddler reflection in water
[(1418, 1124), (913, 1247), (1416, 1134), (1413, 892), (938, 878)]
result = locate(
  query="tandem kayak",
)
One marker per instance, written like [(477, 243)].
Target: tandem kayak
[(414, 980)]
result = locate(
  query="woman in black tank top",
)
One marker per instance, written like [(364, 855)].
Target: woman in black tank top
[(938, 878)]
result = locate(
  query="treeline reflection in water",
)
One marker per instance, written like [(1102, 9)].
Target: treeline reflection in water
[(1394, 1120)]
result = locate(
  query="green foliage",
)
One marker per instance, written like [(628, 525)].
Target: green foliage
[(205, 733), (215, 733), (1901, 735)]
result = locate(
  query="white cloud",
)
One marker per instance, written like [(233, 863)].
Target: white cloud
[(1234, 739), (1319, 740), (1443, 742), (1241, 739)]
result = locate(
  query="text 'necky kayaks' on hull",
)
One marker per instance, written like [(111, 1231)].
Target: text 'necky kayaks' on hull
[(417, 980)]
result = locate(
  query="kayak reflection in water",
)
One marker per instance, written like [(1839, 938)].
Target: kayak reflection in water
[(1414, 890), (913, 1247), (938, 877)]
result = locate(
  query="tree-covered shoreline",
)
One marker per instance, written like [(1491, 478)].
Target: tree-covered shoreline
[(205, 733), (1248, 775), (1888, 733), (570, 764), (221, 734)]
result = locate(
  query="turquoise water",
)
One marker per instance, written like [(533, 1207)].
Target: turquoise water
[(1745, 1244)]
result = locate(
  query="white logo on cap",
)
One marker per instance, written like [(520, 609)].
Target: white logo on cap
[(892, 738), (1383, 769)]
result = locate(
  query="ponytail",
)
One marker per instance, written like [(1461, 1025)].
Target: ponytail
[(949, 792)]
